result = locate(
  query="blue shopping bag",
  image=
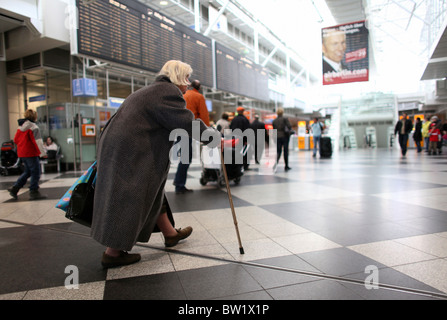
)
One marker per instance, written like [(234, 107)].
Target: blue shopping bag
[(65, 200)]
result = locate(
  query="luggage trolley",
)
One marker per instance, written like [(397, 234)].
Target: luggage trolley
[(10, 162), (211, 162)]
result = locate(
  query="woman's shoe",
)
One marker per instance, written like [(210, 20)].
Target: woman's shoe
[(123, 259), (181, 234)]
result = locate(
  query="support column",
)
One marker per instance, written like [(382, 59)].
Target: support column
[(4, 110)]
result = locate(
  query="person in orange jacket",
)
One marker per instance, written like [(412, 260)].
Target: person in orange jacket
[(195, 102)]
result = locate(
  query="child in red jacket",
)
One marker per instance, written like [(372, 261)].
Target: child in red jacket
[(434, 134), (29, 149)]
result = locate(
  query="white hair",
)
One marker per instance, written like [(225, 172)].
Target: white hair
[(177, 71)]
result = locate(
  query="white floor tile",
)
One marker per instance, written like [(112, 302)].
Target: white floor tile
[(391, 253), (432, 272)]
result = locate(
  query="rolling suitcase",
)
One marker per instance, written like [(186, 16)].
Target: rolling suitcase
[(325, 147)]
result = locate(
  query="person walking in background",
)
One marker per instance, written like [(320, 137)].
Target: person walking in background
[(438, 123), (242, 123), (223, 124), (425, 135), (29, 149), (403, 128), (317, 130), (195, 102), (129, 192), (283, 132), (259, 145), (417, 136), (434, 138)]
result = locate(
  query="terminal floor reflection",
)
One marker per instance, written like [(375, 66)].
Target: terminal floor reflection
[(305, 231)]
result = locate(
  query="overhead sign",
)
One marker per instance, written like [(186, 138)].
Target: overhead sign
[(345, 53), (85, 87), (115, 102), (42, 97)]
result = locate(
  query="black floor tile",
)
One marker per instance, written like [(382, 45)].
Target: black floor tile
[(255, 179), (50, 193), (338, 261), (200, 199), (36, 258), (315, 290), (216, 282), (256, 295), (271, 278), (367, 233), (377, 185), (389, 276), (69, 175), (426, 225), (165, 286)]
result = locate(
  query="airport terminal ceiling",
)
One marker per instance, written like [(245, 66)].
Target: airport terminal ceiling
[(408, 27)]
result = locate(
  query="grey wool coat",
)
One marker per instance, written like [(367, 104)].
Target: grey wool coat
[(133, 163)]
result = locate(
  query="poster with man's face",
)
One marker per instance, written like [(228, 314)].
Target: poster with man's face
[(345, 53)]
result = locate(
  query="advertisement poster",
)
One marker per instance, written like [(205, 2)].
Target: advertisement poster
[(345, 53)]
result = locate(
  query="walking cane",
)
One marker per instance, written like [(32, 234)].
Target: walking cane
[(224, 169)]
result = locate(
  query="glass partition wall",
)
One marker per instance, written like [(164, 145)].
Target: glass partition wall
[(75, 122)]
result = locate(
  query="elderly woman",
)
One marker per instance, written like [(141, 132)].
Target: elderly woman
[(133, 164)]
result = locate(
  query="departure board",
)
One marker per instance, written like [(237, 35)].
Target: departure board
[(227, 69), (239, 75), (133, 34)]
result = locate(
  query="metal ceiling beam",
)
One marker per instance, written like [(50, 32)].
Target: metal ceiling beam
[(410, 12), (297, 76), (213, 23), (272, 53)]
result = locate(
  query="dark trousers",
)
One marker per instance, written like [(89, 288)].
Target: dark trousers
[(32, 169), (403, 139), (283, 143), (418, 145), (182, 169)]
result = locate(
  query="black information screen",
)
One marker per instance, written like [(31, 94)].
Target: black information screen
[(237, 74), (133, 34)]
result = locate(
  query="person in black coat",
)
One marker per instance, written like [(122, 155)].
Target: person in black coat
[(417, 136), (259, 145), (242, 123), (283, 132), (403, 127)]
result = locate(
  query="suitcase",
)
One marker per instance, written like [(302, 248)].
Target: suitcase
[(325, 147)]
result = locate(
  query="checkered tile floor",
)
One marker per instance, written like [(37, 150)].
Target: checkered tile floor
[(323, 230)]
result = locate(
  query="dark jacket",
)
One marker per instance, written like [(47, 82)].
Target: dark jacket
[(417, 136), (280, 124), (240, 122), (408, 126), (133, 164), (259, 125)]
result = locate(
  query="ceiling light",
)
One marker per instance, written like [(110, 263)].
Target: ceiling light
[(163, 3)]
